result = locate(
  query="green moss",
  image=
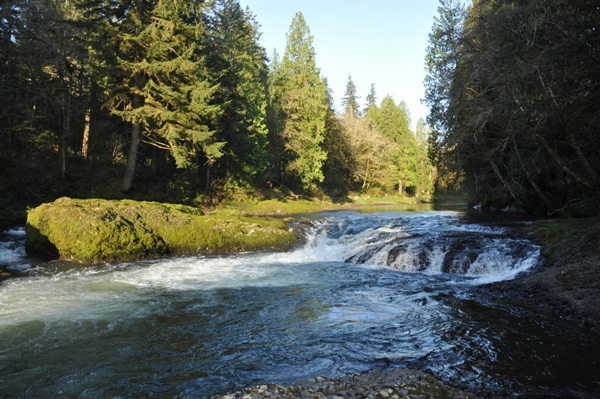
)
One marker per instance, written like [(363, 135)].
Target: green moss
[(556, 231), (90, 231), (290, 207), (572, 235)]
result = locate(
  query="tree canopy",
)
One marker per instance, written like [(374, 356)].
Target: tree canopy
[(177, 101), (515, 90)]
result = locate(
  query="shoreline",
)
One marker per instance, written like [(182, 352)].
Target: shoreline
[(384, 384), (567, 283)]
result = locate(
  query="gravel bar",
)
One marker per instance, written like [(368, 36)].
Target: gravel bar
[(384, 384)]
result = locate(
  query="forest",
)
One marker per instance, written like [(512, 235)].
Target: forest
[(177, 101), (513, 89)]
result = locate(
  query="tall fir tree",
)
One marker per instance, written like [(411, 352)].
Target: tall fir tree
[(440, 62), (238, 64), (371, 100), (275, 119), (167, 93), (394, 123), (305, 104), (350, 100)]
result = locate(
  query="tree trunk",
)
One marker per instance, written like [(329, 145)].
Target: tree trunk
[(207, 188), (131, 158), (136, 126), (154, 159), (134, 144), (65, 105), (531, 179), (86, 123), (504, 182), (562, 164)]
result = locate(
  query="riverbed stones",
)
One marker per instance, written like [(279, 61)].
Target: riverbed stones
[(374, 384)]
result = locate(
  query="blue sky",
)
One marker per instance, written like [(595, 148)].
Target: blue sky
[(376, 41)]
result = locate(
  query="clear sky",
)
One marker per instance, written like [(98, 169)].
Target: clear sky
[(376, 41)]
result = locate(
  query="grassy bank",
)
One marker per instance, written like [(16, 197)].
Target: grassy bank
[(568, 285)]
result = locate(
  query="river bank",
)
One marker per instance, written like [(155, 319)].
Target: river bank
[(567, 284), (384, 384)]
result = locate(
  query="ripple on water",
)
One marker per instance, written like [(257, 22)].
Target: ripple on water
[(203, 325)]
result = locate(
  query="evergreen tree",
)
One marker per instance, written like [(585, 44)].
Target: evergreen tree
[(275, 118), (166, 78), (350, 100), (440, 62), (371, 99), (522, 117), (238, 63), (305, 103), (425, 171), (337, 168), (394, 123)]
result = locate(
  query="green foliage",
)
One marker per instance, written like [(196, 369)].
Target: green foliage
[(304, 104), (371, 99), (350, 101), (283, 207), (394, 123), (238, 63), (91, 231), (440, 62), (516, 97), (178, 94), (557, 231), (175, 110)]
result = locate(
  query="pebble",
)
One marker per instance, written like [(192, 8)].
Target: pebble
[(375, 384)]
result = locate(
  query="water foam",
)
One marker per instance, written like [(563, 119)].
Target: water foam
[(433, 242)]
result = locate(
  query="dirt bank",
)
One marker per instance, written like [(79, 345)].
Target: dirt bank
[(567, 284)]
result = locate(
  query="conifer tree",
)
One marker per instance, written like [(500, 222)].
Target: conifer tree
[(238, 64), (350, 101), (305, 103), (275, 118), (167, 80), (371, 99), (440, 62), (394, 124)]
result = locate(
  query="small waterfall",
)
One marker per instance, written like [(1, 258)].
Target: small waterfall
[(12, 250), (426, 243)]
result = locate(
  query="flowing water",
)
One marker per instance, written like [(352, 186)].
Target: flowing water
[(366, 290)]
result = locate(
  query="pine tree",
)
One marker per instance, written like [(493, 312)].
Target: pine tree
[(275, 118), (394, 123), (350, 100), (305, 103)]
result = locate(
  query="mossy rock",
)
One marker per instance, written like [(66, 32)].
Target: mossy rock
[(95, 230)]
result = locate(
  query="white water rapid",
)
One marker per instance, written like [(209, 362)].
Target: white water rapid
[(387, 289)]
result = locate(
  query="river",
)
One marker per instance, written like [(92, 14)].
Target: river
[(372, 289)]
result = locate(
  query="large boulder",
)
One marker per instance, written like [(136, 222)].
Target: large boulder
[(95, 230)]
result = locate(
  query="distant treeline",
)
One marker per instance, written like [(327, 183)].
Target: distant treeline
[(175, 100), (514, 92)]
